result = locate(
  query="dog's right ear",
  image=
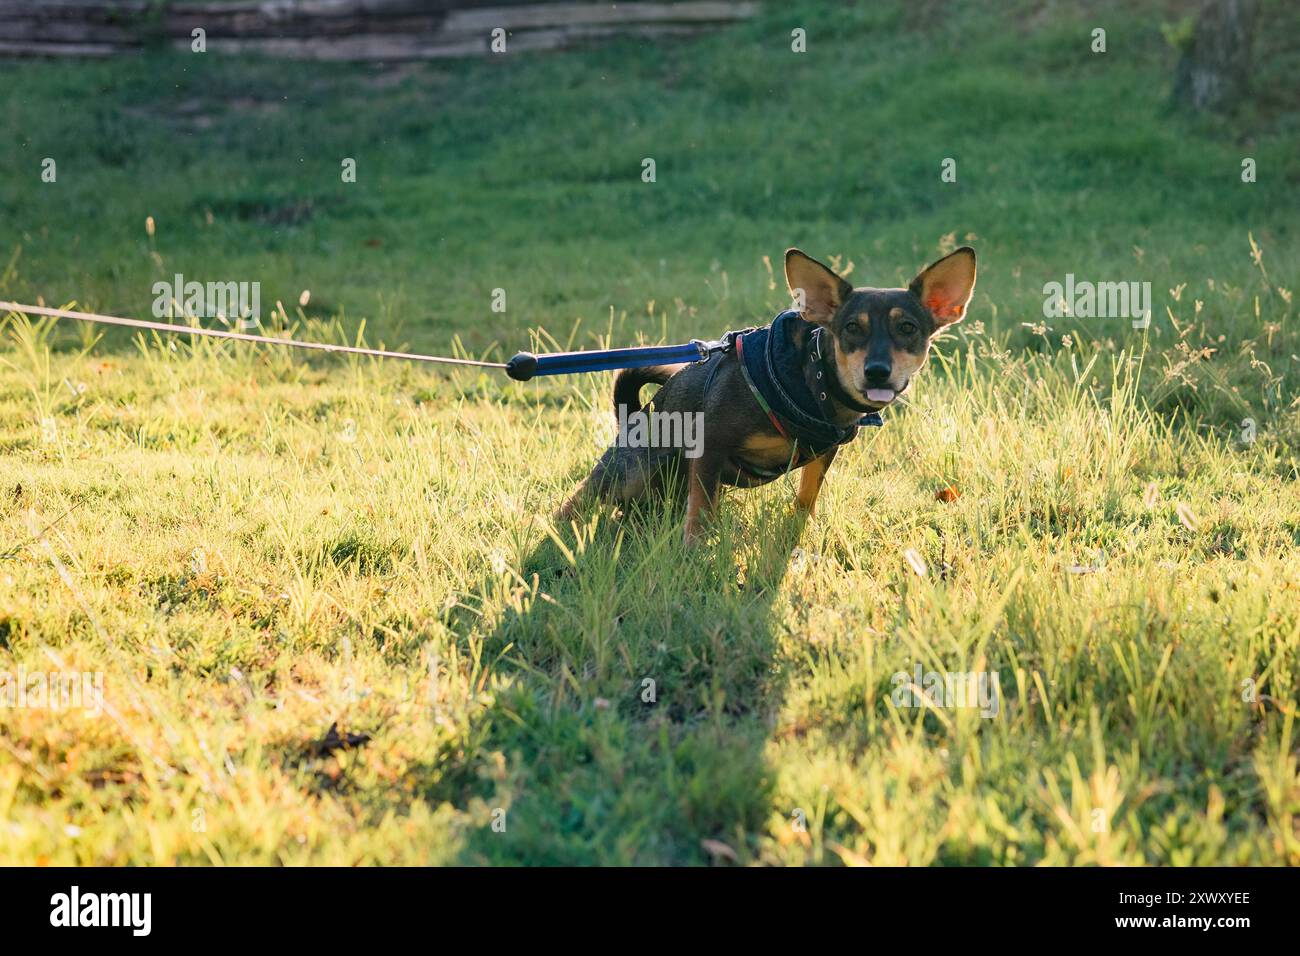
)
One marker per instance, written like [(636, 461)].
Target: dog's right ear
[(818, 292)]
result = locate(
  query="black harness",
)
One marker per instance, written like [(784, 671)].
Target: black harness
[(797, 390)]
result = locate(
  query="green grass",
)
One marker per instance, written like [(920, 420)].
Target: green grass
[(253, 546)]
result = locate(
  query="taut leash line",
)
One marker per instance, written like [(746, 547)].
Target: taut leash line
[(237, 336)]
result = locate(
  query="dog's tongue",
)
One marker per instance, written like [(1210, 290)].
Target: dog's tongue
[(882, 395)]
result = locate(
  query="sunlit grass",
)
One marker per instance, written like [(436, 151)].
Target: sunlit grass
[(253, 548)]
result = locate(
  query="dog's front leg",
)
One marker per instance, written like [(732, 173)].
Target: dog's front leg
[(705, 476), (810, 482)]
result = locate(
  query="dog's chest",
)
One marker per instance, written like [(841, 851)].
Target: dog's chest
[(773, 450), (760, 459)]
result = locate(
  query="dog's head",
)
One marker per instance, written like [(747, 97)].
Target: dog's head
[(881, 336)]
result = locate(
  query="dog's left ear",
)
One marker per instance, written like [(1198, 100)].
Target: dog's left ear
[(945, 287), (818, 291)]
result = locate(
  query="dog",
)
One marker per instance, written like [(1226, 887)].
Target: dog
[(784, 396)]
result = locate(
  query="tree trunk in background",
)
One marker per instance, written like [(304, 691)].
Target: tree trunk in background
[(1214, 72)]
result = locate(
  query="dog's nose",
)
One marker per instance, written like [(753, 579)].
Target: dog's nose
[(877, 373)]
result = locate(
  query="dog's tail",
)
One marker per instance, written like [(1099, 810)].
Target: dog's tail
[(630, 381)]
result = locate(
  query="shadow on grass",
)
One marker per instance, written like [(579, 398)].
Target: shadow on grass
[(644, 687)]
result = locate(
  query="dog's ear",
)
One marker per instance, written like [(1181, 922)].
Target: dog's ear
[(945, 287), (818, 292)]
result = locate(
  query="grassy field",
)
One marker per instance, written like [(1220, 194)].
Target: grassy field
[(253, 547)]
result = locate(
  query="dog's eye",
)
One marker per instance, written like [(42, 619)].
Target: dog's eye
[(907, 328), (851, 326)]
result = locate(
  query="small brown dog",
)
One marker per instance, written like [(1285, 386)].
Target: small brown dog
[(777, 398)]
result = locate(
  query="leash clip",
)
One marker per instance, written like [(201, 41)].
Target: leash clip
[(725, 344)]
